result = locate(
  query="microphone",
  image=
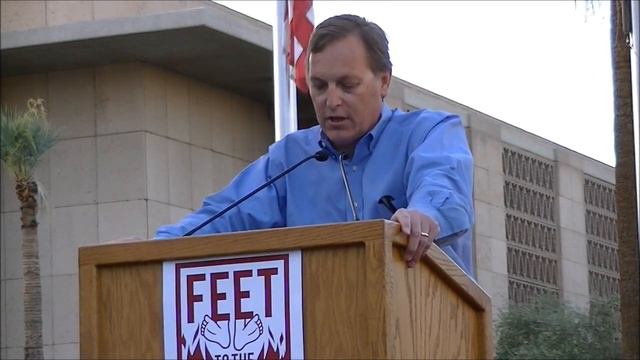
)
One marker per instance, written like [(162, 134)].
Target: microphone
[(321, 155), (387, 202)]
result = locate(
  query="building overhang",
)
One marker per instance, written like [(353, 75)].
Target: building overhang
[(213, 44)]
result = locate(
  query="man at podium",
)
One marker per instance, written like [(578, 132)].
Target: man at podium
[(369, 159)]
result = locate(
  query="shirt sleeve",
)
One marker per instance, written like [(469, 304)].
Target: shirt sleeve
[(439, 175), (261, 211)]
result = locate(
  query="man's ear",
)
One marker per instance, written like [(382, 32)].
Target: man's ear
[(385, 82)]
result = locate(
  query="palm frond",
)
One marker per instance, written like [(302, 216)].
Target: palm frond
[(24, 137)]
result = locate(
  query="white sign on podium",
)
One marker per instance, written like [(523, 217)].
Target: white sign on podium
[(234, 308)]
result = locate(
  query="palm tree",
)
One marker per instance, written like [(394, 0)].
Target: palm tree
[(625, 178), (24, 138)]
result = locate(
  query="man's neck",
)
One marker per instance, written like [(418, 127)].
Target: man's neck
[(346, 150)]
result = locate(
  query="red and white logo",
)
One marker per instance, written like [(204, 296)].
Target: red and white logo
[(234, 308)]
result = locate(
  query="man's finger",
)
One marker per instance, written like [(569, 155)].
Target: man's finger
[(402, 217), (421, 231), (414, 238), (425, 242)]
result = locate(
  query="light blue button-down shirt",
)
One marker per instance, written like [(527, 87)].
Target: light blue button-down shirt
[(420, 158)]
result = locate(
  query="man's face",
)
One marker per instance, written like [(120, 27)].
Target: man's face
[(346, 94)]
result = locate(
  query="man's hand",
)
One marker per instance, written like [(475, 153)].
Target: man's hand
[(421, 230)]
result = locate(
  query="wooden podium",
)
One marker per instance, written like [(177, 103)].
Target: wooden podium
[(359, 298)]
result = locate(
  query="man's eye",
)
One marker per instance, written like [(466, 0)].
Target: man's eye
[(319, 86), (349, 86)]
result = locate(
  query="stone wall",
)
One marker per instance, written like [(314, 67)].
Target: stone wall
[(140, 147)]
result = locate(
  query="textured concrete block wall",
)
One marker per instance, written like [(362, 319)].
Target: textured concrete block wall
[(489, 230), (573, 249), (140, 146)]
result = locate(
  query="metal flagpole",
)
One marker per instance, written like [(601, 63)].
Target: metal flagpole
[(284, 89)]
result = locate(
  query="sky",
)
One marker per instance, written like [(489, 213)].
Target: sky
[(543, 66)]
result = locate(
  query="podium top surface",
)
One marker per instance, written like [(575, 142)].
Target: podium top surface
[(272, 240)]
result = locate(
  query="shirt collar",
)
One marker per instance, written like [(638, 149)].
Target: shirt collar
[(376, 132)]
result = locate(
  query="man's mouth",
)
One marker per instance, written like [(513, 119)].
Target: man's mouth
[(336, 119)]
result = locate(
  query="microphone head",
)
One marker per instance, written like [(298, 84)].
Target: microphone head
[(322, 155)]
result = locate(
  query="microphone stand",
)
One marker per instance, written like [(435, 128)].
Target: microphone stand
[(321, 155)]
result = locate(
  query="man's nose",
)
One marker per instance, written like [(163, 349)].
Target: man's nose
[(334, 97)]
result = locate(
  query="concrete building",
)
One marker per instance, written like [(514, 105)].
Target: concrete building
[(162, 102)]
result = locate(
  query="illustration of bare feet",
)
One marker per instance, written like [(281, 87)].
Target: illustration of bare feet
[(247, 331), (217, 332)]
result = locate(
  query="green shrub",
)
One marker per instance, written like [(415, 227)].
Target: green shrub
[(550, 329)]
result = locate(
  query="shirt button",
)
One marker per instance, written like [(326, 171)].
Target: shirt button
[(354, 168), (355, 204)]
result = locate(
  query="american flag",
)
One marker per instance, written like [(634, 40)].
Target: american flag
[(300, 26)]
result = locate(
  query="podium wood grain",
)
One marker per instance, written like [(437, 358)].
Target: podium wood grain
[(359, 298)]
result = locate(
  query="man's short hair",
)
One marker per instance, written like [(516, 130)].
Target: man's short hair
[(338, 27)]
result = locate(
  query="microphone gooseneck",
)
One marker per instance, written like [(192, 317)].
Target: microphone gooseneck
[(348, 188), (321, 155)]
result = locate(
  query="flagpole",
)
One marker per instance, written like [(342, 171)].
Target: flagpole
[(284, 89), (293, 103)]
